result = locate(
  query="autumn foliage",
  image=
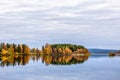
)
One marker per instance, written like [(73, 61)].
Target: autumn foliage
[(68, 49), (55, 49), (14, 49)]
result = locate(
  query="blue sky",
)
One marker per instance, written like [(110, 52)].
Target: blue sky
[(92, 23)]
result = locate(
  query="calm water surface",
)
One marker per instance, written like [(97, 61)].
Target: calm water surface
[(60, 68)]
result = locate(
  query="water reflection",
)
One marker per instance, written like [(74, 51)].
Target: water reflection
[(63, 59), (15, 60)]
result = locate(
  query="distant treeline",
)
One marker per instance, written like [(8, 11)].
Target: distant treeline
[(47, 49), (101, 50)]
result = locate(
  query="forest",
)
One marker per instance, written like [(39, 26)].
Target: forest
[(6, 48), (56, 49)]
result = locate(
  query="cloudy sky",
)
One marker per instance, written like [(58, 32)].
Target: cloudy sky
[(92, 23)]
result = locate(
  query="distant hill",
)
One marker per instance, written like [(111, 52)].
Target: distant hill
[(101, 50)]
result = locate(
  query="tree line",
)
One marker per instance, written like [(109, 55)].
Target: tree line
[(14, 49), (46, 49)]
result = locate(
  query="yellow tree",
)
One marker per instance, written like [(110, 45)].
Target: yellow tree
[(11, 49), (59, 50), (4, 52), (68, 51), (26, 49), (47, 49)]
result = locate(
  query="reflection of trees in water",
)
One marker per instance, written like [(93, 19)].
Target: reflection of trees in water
[(15, 60), (63, 59)]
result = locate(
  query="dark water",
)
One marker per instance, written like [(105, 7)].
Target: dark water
[(48, 67)]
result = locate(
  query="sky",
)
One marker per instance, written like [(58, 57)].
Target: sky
[(91, 23)]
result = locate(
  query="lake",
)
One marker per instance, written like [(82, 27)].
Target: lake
[(49, 67)]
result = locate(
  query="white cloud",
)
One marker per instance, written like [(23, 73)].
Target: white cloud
[(63, 20)]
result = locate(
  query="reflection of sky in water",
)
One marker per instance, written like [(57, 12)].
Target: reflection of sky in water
[(100, 68)]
